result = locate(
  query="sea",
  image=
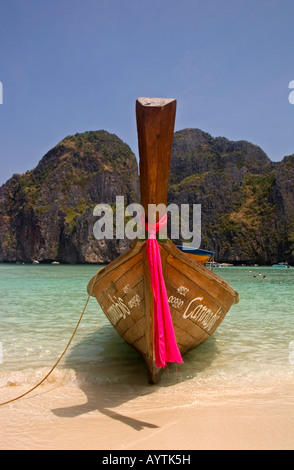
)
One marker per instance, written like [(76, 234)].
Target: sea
[(40, 305)]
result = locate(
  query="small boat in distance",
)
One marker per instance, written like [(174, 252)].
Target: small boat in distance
[(202, 256), (281, 265)]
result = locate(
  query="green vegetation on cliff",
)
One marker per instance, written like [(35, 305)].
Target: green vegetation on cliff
[(247, 201), (50, 208)]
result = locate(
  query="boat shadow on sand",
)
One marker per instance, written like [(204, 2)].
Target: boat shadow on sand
[(116, 375)]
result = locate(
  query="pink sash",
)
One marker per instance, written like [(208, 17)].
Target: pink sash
[(165, 344)]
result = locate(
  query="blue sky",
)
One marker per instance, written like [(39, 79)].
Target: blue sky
[(69, 66)]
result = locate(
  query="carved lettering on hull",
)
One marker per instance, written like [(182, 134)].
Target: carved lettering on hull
[(196, 309), (121, 306), (117, 310), (201, 314)]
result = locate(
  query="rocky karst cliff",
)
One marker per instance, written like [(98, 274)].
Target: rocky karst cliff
[(247, 200), (47, 213)]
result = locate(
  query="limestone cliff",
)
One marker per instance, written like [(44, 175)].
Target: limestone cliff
[(247, 201), (47, 213)]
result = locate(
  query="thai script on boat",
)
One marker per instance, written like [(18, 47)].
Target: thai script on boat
[(120, 308), (175, 302), (117, 310), (182, 290), (119, 221)]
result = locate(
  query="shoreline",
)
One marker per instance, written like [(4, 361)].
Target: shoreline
[(120, 417), (219, 264)]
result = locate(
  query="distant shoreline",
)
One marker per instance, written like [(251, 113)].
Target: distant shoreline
[(221, 265)]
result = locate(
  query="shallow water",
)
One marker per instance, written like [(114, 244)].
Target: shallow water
[(41, 304)]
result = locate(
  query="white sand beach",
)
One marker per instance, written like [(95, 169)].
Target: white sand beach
[(114, 417)]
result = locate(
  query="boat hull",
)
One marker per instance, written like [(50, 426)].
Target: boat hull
[(198, 299), (202, 256)]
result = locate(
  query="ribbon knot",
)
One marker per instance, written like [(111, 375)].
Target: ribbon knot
[(165, 344)]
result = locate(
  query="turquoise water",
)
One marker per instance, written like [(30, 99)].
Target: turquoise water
[(41, 304)]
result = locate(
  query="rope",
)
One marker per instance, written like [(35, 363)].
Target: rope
[(61, 356)]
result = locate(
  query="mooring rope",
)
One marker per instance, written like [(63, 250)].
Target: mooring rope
[(61, 356)]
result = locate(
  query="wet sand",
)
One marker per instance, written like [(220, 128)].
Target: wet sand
[(116, 417)]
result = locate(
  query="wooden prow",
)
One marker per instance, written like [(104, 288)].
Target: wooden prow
[(155, 125)]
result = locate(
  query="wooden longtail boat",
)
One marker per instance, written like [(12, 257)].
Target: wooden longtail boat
[(202, 256), (198, 299)]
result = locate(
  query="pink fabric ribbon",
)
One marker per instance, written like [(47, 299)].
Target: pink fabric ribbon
[(165, 344)]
